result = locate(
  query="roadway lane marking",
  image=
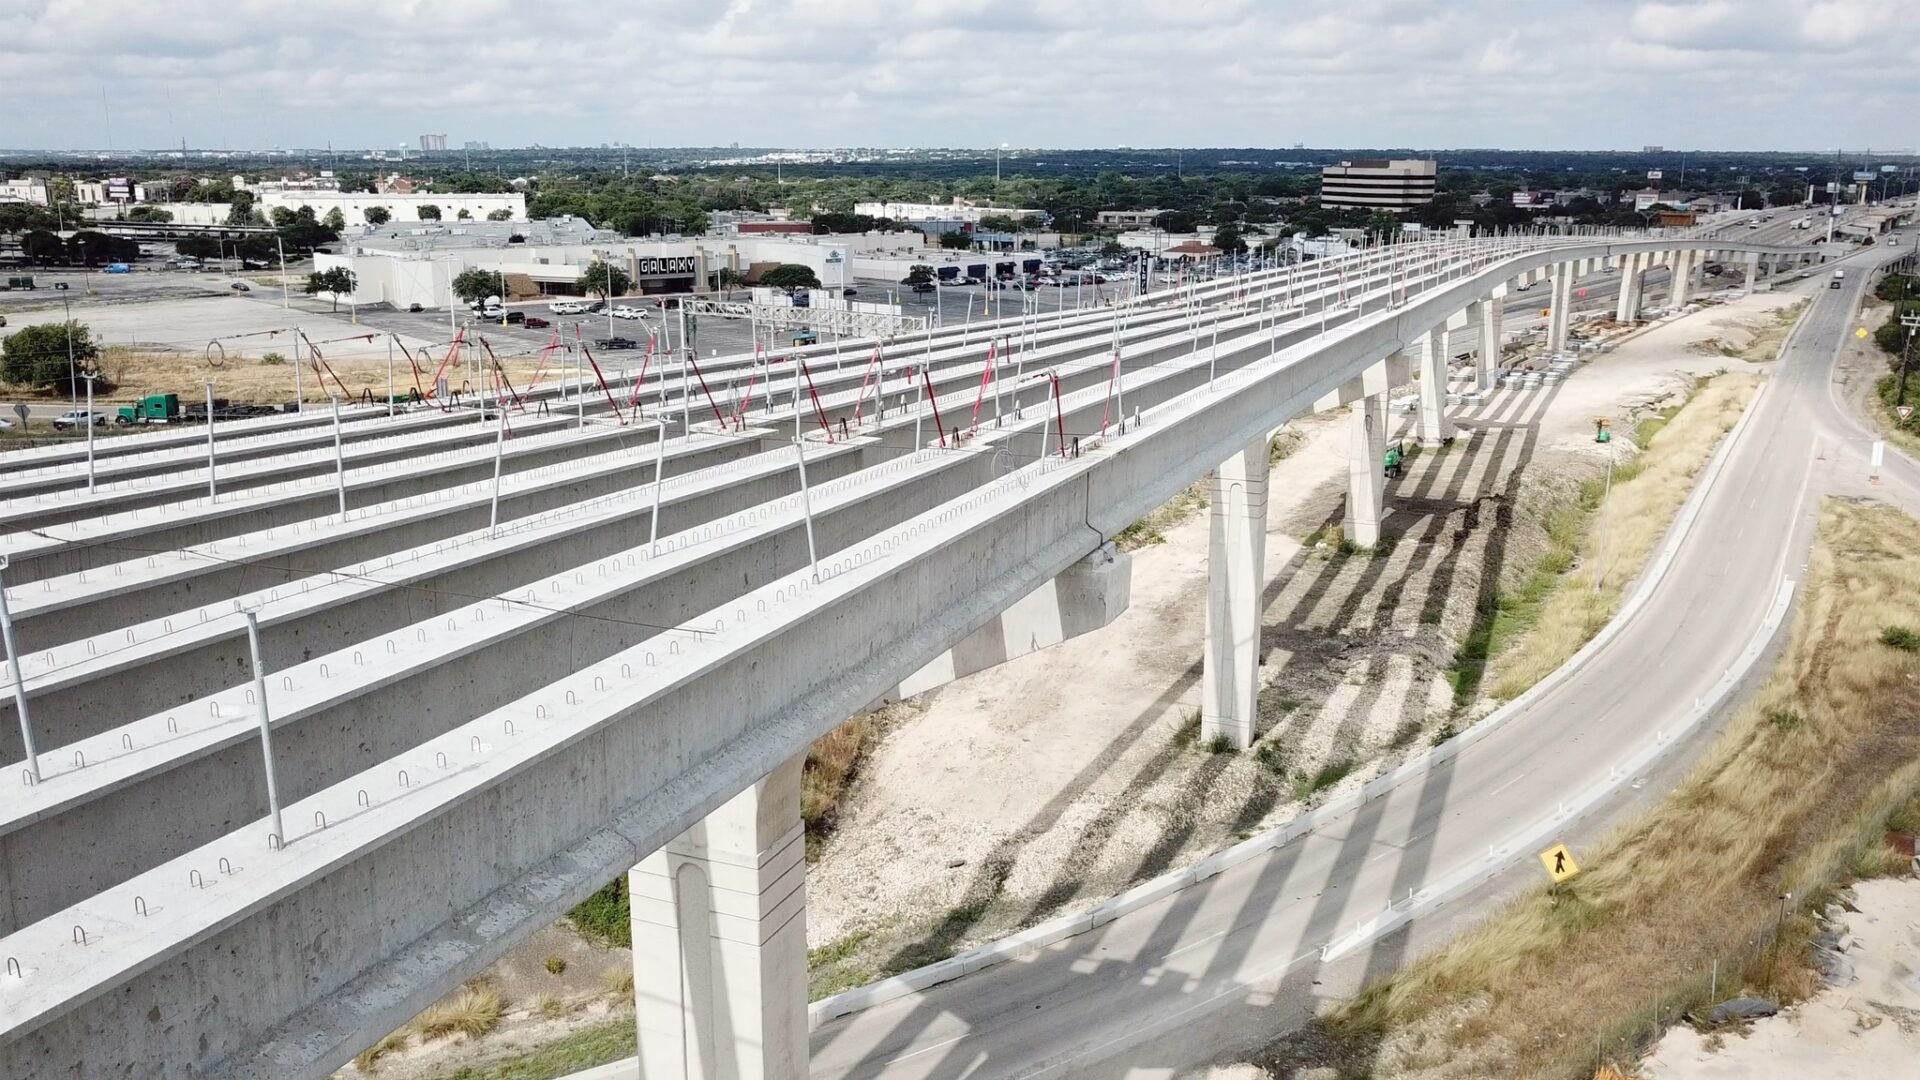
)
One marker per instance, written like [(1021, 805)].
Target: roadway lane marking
[(1506, 785)]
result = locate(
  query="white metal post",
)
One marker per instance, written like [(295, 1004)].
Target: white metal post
[(389, 376), (659, 475), (89, 379), (499, 452), (213, 494), (299, 399), (806, 497), (339, 458), (19, 682), (266, 726)]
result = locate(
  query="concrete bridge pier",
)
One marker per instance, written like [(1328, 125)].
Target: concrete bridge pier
[(1753, 272), (1493, 310), (1561, 303), (1236, 575), (1632, 267), (1681, 290), (1435, 426), (720, 942), (1366, 476)]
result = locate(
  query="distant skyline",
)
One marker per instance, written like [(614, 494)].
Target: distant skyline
[(1575, 75)]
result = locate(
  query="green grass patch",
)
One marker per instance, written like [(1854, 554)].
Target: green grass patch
[(594, 1045), (605, 916), (1306, 786), (1900, 637)]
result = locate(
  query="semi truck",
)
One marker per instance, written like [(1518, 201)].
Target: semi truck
[(166, 409)]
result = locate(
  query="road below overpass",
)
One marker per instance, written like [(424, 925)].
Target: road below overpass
[(1234, 961)]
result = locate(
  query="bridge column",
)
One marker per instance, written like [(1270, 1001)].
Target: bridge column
[(720, 942), (1561, 301), (1681, 289), (1631, 268), (1236, 577), (1366, 470), (1753, 271), (1435, 427), (1493, 311)]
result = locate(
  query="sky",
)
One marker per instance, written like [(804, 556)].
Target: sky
[(1541, 74)]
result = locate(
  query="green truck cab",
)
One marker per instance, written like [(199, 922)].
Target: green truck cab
[(150, 409)]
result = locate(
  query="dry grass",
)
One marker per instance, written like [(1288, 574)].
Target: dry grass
[(549, 1006), (1768, 336), (1152, 529), (1794, 797), (472, 1011), (1627, 522), (618, 982), (369, 1059), (833, 763), (246, 379)]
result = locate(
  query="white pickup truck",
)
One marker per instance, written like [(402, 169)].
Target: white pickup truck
[(1838, 277)]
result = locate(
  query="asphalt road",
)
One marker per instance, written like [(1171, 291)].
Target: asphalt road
[(1229, 963)]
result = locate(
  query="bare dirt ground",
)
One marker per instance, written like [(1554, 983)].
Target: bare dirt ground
[(1056, 780), (1865, 1028)]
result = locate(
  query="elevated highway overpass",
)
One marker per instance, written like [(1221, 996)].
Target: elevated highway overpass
[(489, 697)]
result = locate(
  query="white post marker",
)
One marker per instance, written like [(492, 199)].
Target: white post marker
[(266, 726), (1879, 459), (212, 493), (19, 681), (389, 376), (299, 399), (339, 458)]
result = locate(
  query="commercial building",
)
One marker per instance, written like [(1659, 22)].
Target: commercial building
[(1127, 219), (417, 266), (353, 205), (1378, 184), (963, 210), (431, 143), (31, 190)]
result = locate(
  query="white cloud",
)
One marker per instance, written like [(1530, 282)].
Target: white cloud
[(1576, 73)]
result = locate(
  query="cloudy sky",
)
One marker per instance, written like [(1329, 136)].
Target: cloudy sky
[(1581, 74)]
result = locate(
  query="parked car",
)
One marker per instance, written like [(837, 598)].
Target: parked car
[(595, 308), (849, 292), (626, 311), (616, 343), (535, 322), (568, 307), (516, 316), (74, 418), (415, 307), (240, 286), (924, 287)]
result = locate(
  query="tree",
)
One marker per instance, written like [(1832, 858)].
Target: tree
[(605, 280), (1752, 199), (334, 282), (500, 215), (377, 215), (1000, 223), (43, 246), (335, 220), (149, 213), (956, 241), (727, 278), (471, 285), (920, 274), (197, 247), (790, 276), (1113, 249), (37, 355), (1227, 239), (428, 212), (94, 248), (464, 214)]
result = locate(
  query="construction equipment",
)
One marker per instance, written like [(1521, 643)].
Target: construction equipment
[(1602, 429), (166, 409)]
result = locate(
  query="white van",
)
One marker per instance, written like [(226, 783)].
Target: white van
[(568, 307)]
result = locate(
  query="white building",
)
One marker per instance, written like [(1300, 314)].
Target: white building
[(1126, 219), (1376, 183), (31, 190), (418, 267), (958, 210), (353, 205)]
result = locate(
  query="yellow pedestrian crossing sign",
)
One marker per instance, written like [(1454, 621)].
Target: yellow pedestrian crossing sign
[(1860, 332), (1559, 863)]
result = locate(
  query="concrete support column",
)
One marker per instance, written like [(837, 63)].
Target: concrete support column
[(1681, 289), (1493, 311), (1236, 578), (720, 942), (1631, 274), (1753, 272), (1561, 311), (1366, 474), (1435, 427)]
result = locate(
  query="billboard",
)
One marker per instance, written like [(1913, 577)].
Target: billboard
[(1862, 176), (1653, 174)]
